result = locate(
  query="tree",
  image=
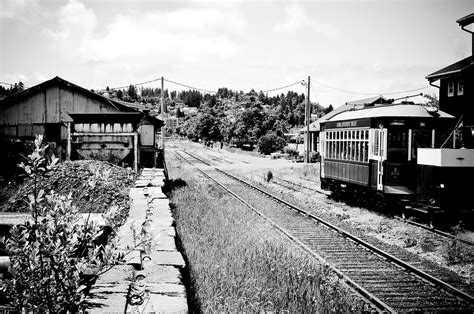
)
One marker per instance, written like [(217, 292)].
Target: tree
[(432, 100), (270, 143), (120, 94), (132, 92)]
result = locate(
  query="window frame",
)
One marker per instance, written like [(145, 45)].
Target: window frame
[(460, 87), (450, 88)]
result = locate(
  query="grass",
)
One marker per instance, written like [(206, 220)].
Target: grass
[(238, 262)]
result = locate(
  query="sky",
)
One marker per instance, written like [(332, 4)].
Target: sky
[(365, 47)]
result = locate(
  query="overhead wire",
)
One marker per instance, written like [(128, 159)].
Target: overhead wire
[(314, 94), (370, 94), (276, 89), (283, 87), (191, 87), (138, 84)]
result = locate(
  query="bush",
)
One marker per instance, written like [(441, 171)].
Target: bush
[(268, 176), (270, 143), (291, 152), (49, 251)]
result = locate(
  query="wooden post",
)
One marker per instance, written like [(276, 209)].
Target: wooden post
[(308, 118), (135, 151), (68, 147), (162, 113)]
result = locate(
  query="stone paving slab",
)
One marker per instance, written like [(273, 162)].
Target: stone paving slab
[(138, 193), (107, 298), (119, 274), (165, 292), (155, 273), (158, 302), (164, 243), (156, 229), (163, 258), (161, 203)]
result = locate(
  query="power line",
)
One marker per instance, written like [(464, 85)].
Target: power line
[(283, 87), (371, 94), (314, 94), (191, 87), (138, 84), (4, 83)]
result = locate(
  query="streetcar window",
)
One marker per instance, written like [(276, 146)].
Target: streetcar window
[(397, 145), (420, 139)]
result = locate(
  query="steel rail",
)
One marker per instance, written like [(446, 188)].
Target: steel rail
[(181, 157), (436, 231), (428, 228), (362, 292), (305, 187), (447, 287), (197, 158)]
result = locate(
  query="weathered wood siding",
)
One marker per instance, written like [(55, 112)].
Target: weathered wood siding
[(27, 117)]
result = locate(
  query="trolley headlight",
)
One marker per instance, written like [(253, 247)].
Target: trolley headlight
[(441, 186)]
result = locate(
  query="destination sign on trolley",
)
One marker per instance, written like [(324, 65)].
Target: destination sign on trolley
[(346, 124)]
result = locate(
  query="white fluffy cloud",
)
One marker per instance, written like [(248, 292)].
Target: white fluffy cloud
[(296, 19), (18, 9), (190, 34)]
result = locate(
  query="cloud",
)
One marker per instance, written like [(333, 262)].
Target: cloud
[(18, 9), (28, 80), (296, 19), (74, 21), (187, 33)]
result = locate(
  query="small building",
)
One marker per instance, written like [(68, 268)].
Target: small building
[(80, 124), (456, 89), (315, 127)]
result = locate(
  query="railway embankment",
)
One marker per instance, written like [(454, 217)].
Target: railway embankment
[(150, 278)]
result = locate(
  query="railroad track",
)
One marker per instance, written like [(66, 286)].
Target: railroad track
[(191, 158), (382, 279), (293, 186), (296, 186), (446, 236)]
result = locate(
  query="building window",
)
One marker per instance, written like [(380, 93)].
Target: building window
[(460, 87), (450, 89)]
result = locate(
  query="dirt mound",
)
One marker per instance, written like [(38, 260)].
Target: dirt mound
[(95, 186)]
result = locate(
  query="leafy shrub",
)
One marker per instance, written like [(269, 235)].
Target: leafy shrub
[(291, 152), (268, 176), (49, 251), (270, 143)]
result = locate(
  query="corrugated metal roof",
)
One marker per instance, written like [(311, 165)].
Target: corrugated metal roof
[(454, 68), (411, 111)]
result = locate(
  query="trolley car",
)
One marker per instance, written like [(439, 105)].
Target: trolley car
[(388, 154)]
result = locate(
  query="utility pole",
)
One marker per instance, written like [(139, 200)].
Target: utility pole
[(162, 115), (308, 118)]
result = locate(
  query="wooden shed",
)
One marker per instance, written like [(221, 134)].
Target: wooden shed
[(80, 123)]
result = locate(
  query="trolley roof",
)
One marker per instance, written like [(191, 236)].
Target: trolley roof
[(398, 111)]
